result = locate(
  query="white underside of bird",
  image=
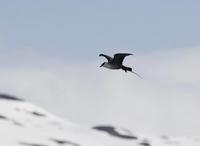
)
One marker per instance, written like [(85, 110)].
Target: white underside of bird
[(111, 66)]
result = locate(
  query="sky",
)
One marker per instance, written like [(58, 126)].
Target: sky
[(49, 56)]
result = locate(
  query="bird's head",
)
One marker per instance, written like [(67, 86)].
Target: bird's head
[(102, 64)]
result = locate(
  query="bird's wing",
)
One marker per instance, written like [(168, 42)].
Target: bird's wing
[(119, 57), (107, 57)]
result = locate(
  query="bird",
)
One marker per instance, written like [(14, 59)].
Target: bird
[(116, 62)]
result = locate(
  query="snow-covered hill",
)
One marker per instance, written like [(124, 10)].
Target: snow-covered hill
[(24, 124)]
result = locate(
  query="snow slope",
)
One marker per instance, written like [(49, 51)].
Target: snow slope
[(24, 124)]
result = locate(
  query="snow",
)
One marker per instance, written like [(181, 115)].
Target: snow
[(24, 124)]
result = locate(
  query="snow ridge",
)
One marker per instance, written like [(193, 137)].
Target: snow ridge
[(24, 124)]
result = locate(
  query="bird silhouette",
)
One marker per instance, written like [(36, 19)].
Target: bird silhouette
[(117, 62)]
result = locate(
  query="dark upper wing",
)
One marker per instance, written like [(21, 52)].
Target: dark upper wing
[(119, 57), (107, 57)]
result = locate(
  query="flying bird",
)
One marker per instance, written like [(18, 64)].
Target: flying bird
[(117, 62)]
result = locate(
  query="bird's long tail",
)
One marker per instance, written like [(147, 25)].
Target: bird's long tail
[(130, 69), (136, 74)]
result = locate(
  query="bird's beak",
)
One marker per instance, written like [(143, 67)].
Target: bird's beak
[(101, 65)]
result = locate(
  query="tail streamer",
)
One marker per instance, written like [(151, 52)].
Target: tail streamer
[(136, 74)]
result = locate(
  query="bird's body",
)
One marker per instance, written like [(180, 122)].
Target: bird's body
[(111, 65), (116, 62)]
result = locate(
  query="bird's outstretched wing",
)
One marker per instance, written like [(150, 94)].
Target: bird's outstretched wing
[(119, 57), (107, 57)]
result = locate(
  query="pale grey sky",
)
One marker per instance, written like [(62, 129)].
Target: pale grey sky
[(49, 56)]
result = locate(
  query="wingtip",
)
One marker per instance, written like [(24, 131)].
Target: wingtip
[(125, 53)]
